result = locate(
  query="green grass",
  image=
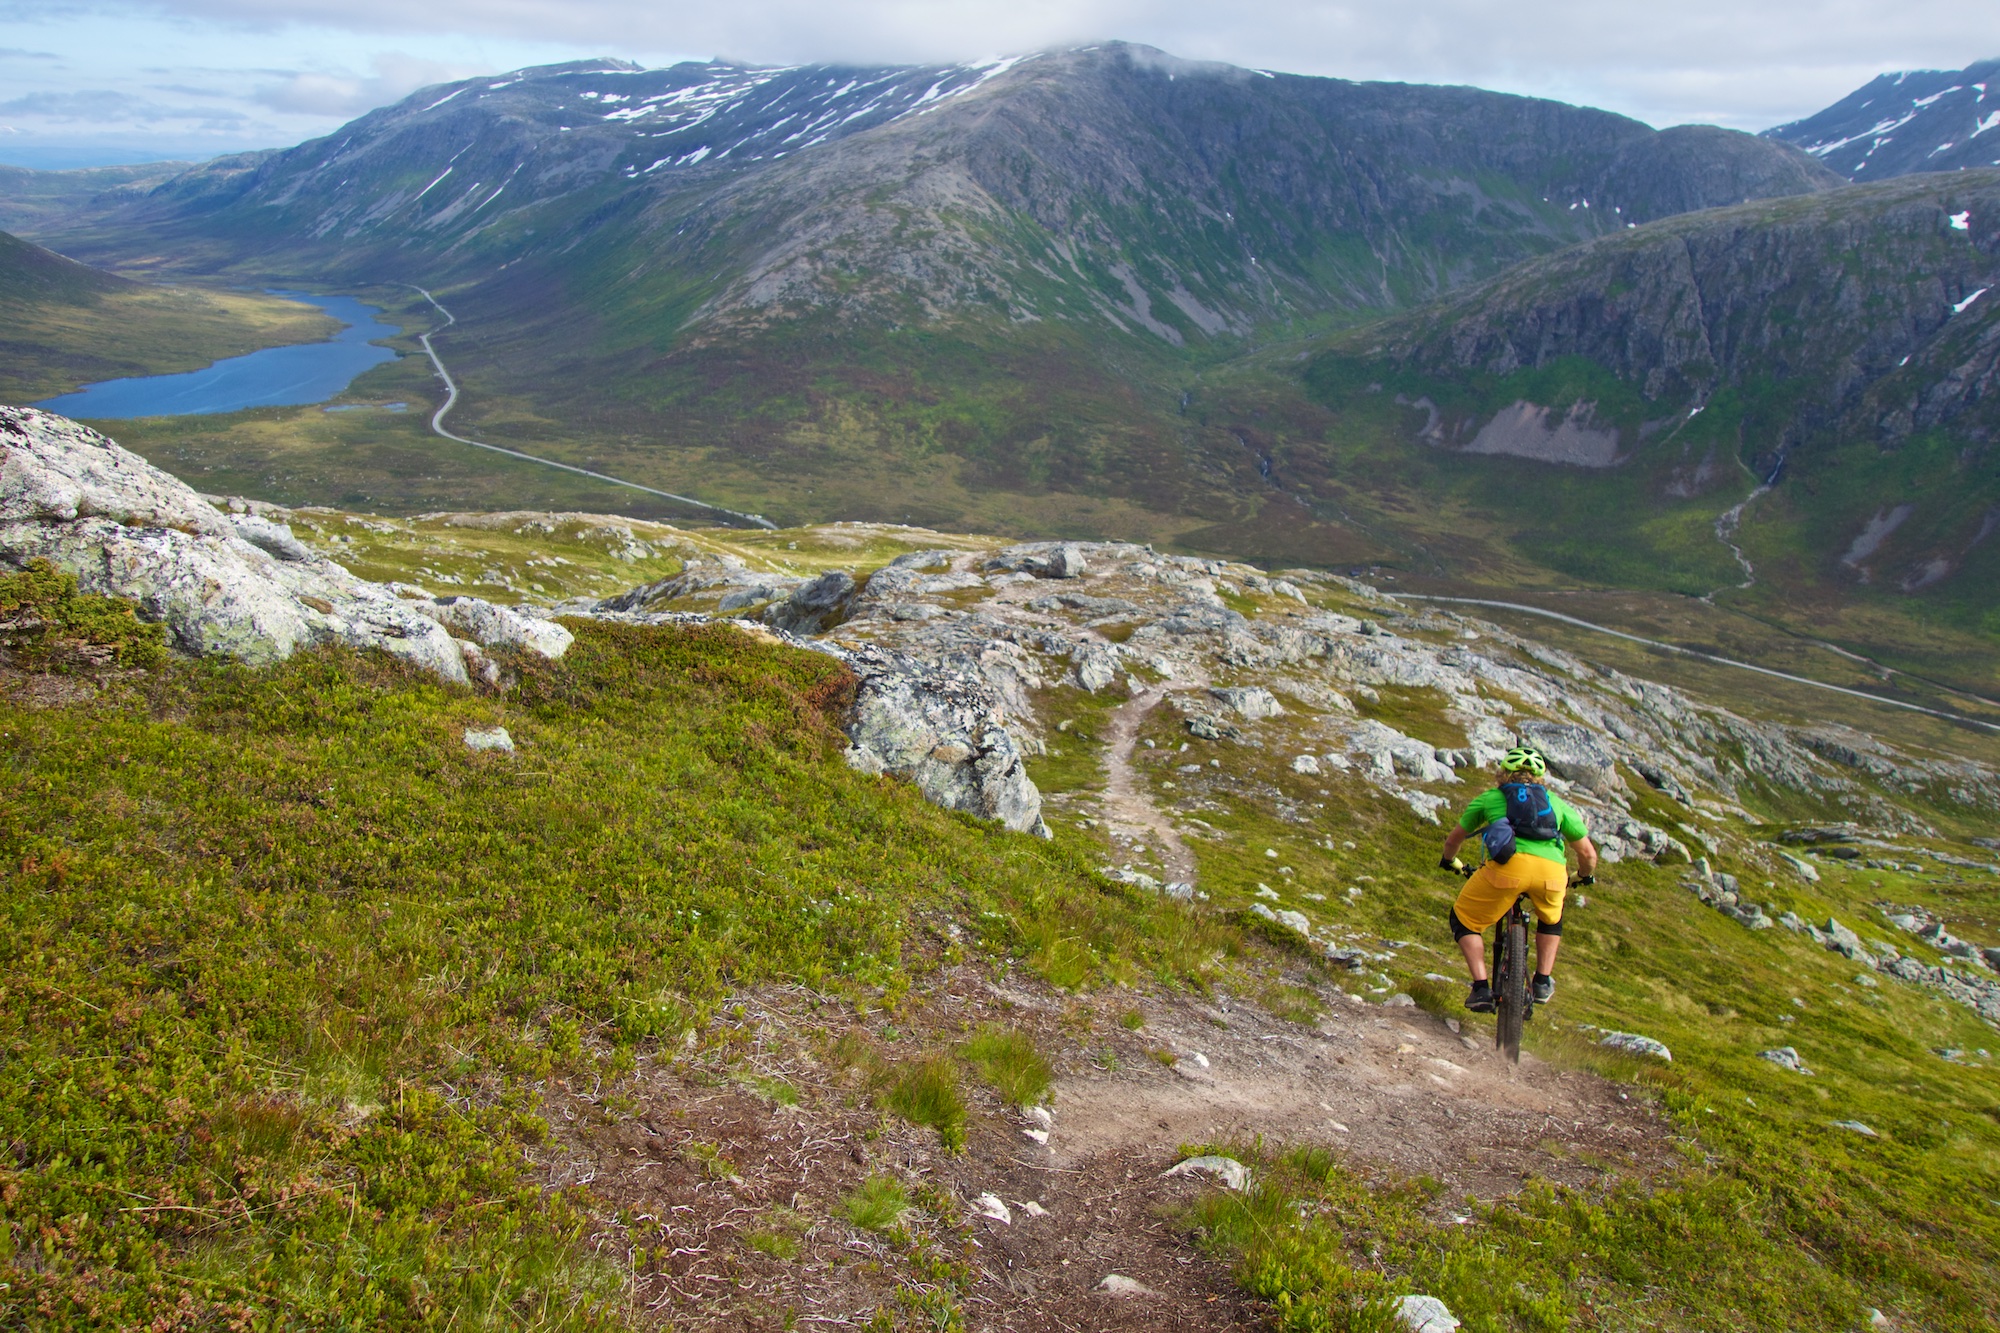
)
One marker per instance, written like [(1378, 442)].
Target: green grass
[(1007, 1059), (877, 1203), (283, 962), (926, 1092), (776, 1244), (1331, 1250)]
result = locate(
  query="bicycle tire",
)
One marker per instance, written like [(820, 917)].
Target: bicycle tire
[(1510, 991)]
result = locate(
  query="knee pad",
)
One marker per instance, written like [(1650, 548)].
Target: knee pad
[(1459, 930), (1548, 927)]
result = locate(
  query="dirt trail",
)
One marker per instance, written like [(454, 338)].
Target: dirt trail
[(1129, 812), (1393, 1087), (699, 1167)]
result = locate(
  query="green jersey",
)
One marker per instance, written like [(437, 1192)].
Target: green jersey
[(1490, 805)]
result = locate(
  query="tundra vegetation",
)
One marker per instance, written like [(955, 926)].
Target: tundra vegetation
[(292, 981)]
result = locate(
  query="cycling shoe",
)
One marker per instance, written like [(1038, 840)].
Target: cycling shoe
[(1480, 1001)]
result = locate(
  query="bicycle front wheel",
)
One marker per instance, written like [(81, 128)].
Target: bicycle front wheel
[(1510, 989)]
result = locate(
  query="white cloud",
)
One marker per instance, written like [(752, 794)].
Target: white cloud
[(287, 70), (1713, 59), (343, 95)]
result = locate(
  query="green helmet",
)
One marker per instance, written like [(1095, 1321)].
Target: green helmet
[(1524, 758)]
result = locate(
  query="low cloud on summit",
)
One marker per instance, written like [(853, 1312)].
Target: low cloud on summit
[(295, 68)]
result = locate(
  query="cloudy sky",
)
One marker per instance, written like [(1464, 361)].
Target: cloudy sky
[(92, 82)]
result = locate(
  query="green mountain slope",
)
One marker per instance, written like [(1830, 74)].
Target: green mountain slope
[(965, 295), (64, 324), (1596, 412)]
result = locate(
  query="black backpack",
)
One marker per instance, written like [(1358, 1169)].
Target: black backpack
[(1530, 812)]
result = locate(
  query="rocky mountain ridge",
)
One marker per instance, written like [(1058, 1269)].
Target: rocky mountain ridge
[(1829, 341), (1111, 184), (1910, 121)]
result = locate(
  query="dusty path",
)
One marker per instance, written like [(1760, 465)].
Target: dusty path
[(451, 401), (1394, 1088), (1129, 812), (700, 1167)]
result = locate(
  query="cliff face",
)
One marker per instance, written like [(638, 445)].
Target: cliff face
[(1843, 346), (1870, 307)]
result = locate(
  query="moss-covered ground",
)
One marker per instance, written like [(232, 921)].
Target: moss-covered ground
[(287, 971), (284, 961)]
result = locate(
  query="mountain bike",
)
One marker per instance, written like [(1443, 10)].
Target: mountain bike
[(1513, 1003)]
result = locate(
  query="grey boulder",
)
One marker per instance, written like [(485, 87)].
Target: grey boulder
[(945, 731), (815, 607), (126, 529), (1785, 1057), (1252, 703), (1575, 753), (494, 626), (1634, 1044)]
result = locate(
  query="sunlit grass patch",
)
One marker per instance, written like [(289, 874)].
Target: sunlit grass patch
[(772, 1089), (877, 1204), (777, 1244), (926, 1092), (1007, 1059), (780, 1235)]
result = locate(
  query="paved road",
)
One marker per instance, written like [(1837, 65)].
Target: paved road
[(451, 401), (1706, 657)]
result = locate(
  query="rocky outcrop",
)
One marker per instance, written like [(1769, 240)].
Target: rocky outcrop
[(224, 585), (1866, 315), (1970, 985), (945, 731), (955, 648), (813, 607)]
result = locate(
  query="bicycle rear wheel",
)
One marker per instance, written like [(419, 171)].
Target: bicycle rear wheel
[(1510, 983)]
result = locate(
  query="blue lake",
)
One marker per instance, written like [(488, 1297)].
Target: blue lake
[(274, 377)]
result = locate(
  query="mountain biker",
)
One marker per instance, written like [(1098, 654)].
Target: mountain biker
[(1521, 811)]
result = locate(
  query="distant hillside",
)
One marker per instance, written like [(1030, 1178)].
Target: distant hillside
[(1111, 185), (969, 296), (31, 200), (64, 324), (1918, 120), (1842, 349), (29, 274)]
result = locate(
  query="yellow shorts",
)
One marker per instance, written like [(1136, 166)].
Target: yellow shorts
[(1494, 887)]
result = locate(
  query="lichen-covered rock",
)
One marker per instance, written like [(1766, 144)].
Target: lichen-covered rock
[(943, 730), (1253, 703), (497, 626), (1575, 753), (1096, 665), (127, 529), (238, 585)]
